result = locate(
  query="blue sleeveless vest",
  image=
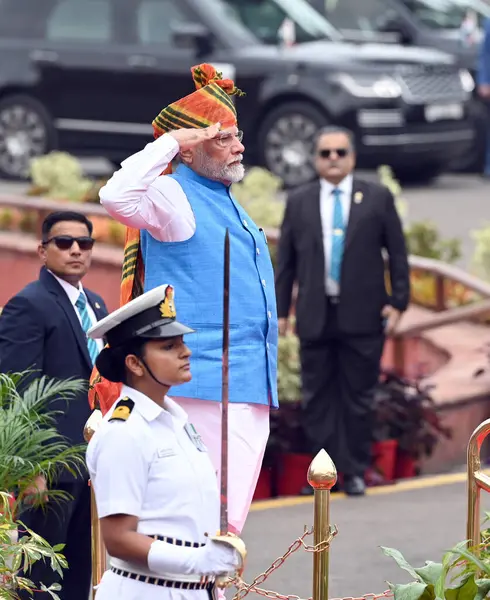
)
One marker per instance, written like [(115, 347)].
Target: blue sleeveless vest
[(195, 268)]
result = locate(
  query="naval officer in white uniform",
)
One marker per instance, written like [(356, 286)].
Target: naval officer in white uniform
[(155, 486)]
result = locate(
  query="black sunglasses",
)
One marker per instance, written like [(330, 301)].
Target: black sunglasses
[(65, 242), (340, 152)]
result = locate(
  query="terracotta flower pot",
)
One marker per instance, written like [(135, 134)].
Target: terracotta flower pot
[(293, 470), (405, 465), (263, 487), (384, 458)]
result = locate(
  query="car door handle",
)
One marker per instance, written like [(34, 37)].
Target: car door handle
[(44, 56), (139, 61)]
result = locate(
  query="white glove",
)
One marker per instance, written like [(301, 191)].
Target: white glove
[(212, 559), (217, 559)]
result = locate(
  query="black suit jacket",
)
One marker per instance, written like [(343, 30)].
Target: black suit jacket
[(39, 329), (373, 225)]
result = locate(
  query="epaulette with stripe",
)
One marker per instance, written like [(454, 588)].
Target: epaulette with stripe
[(123, 409)]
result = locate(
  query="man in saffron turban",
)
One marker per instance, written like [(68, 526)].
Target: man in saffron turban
[(176, 227)]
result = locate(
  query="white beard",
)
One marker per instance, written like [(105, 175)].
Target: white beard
[(212, 169)]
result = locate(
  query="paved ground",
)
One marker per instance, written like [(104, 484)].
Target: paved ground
[(457, 204), (422, 523)]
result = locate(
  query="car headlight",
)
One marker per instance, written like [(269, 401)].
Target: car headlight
[(369, 86), (467, 81)]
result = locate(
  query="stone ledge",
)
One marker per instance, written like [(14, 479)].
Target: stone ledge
[(463, 400), (464, 344), (22, 242)]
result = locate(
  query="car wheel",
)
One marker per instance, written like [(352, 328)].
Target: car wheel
[(474, 160), (286, 141), (26, 132)]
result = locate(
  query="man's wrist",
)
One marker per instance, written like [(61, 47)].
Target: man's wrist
[(171, 143)]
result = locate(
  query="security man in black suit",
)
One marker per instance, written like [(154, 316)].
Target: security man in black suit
[(332, 239), (43, 328)]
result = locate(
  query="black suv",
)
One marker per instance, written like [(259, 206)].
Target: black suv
[(432, 23), (88, 77)]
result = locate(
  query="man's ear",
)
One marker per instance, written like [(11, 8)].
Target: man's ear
[(186, 156), (41, 251)]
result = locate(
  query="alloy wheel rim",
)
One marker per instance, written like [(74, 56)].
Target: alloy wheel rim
[(23, 136), (289, 148)]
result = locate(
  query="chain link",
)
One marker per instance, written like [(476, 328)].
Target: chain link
[(244, 589)]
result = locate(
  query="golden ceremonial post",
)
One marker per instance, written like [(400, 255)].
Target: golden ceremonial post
[(99, 561), (476, 482), (322, 476)]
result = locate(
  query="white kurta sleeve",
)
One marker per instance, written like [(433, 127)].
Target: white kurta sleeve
[(118, 470), (137, 196)]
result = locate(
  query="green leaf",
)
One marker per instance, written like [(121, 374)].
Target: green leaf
[(398, 557), (473, 559), (414, 590), (466, 591), (483, 586), (431, 572)]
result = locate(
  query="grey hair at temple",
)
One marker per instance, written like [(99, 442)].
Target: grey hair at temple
[(329, 129)]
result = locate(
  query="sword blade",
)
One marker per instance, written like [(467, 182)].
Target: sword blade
[(224, 391)]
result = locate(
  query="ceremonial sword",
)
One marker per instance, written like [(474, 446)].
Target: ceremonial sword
[(224, 535), (225, 390)]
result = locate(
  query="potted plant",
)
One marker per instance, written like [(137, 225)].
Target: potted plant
[(406, 414), (462, 573), (286, 457), (30, 446)]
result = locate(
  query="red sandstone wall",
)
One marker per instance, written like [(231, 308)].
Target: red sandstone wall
[(18, 268)]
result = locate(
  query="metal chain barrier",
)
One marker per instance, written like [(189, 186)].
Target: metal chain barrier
[(244, 588)]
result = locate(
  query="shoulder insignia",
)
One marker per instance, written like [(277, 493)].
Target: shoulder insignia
[(123, 409)]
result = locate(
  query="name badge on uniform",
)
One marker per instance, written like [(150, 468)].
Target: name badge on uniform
[(195, 438)]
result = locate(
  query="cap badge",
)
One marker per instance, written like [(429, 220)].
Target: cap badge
[(167, 307)]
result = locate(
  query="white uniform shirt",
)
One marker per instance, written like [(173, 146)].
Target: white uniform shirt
[(327, 203), (73, 293), (149, 467)]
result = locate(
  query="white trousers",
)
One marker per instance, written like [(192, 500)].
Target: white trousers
[(248, 432)]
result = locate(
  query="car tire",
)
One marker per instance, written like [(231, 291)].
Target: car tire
[(286, 141), (26, 132), (418, 174), (474, 160)]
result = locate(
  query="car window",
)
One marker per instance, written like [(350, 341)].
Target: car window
[(156, 20), (265, 18), (24, 19), (81, 21), (444, 14), (367, 16)]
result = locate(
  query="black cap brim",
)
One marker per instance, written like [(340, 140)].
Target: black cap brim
[(167, 330)]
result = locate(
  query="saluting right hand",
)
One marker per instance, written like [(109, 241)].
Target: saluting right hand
[(189, 138)]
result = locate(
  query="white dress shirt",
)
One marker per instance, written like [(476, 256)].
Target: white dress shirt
[(137, 196), (327, 203), (151, 466), (73, 293)]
